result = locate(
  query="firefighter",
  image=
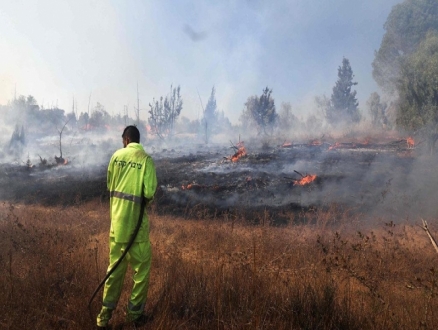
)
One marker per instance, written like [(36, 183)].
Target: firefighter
[(131, 178)]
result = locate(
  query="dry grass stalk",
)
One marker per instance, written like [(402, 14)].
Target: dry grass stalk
[(327, 273), (432, 240)]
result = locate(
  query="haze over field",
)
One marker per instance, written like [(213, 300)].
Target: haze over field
[(60, 50)]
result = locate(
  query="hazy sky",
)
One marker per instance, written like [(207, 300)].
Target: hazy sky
[(57, 50)]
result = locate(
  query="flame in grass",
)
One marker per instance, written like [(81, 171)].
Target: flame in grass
[(191, 186), (411, 143), (61, 161), (188, 187), (334, 146), (305, 180), (241, 151)]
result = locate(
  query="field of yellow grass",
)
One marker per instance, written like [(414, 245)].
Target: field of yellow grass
[(333, 270)]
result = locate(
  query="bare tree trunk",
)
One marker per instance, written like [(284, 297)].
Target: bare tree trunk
[(60, 159)]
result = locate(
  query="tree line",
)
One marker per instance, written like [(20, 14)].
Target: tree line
[(405, 68)]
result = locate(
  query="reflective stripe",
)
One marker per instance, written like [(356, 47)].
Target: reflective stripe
[(128, 197)]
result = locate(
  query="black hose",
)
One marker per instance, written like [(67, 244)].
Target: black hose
[(131, 241)]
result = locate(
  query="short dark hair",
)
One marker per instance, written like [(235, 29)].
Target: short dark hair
[(132, 133)]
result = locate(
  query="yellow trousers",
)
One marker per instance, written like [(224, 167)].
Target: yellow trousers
[(139, 257)]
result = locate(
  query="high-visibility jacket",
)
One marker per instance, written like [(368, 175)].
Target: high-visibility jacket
[(131, 171)]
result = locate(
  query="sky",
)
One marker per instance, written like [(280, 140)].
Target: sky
[(99, 51)]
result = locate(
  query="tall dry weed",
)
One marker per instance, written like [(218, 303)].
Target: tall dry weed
[(326, 271)]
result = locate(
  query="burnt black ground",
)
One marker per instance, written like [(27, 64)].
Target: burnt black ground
[(259, 184)]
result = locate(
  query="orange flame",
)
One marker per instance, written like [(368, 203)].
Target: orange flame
[(411, 143), (241, 151), (188, 187), (191, 186), (61, 161), (334, 146), (305, 180), (287, 145)]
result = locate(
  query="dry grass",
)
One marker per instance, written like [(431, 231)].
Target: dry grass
[(329, 273)]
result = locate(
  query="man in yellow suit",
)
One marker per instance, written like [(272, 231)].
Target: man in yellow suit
[(131, 181)]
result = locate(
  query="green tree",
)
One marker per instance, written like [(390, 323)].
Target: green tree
[(99, 118), (377, 111), (23, 110), (343, 107), (157, 118), (406, 26), (209, 120), (418, 91), (164, 113), (261, 109), (83, 121), (172, 108)]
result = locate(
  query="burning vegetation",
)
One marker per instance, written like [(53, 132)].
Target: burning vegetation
[(280, 179), (411, 143), (240, 152), (306, 179), (335, 248)]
